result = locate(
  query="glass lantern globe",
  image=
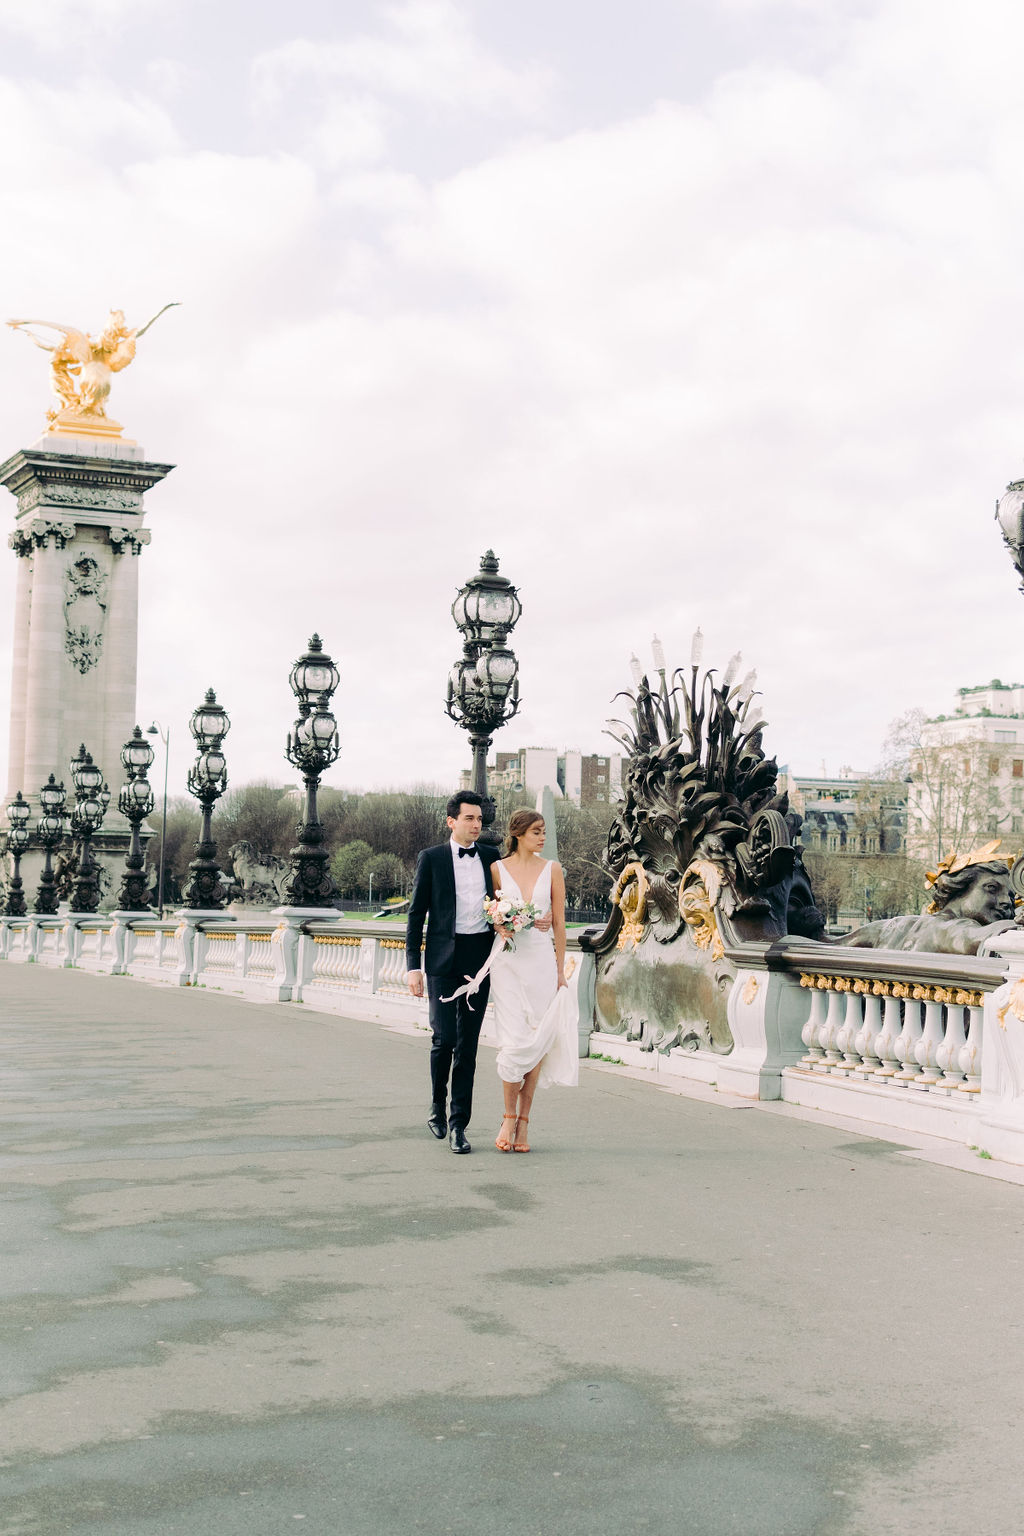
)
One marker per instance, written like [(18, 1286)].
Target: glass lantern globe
[(1010, 513), (137, 755), (487, 603), (141, 792), (19, 811), (87, 776), (497, 670), (314, 674), (50, 827), (18, 838), (468, 689), (52, 796), (211, 765), (104, 797), (324, 727), (210, 723), (91, 809)]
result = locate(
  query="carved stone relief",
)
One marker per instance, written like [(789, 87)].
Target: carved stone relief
[(127, 541), (38, 533), (102, 499), (85, 609)]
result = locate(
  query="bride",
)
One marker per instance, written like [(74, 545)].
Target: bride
[(534, 1011)]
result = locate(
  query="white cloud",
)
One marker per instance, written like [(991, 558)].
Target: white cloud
[(61, 24), (348, 132), (750, 360), (426, 53)]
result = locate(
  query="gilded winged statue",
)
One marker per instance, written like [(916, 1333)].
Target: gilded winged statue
[(82, 366)]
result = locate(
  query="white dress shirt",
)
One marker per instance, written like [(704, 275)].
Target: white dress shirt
[(470, 890)]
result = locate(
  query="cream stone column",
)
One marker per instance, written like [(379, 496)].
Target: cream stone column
[(121, 652), (44, 663), (22, 546), (78, 534)]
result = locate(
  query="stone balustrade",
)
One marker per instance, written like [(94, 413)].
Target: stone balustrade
[(355, 969), (916, 1042)]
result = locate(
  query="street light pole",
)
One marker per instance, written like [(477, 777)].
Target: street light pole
[(18, 839), (312, 747), (370, 903), (50, 831), (483, 687), (165, 737), (91, 795), (207, 781), (135, 803)]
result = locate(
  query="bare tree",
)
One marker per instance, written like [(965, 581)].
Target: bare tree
[(953, 782), (582, 840)]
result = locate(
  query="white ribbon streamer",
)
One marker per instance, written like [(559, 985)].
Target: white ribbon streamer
[(473, 982)]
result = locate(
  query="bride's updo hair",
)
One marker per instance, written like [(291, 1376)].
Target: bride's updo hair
[(520, 822)]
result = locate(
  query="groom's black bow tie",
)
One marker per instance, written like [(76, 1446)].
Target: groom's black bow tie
[(468, 853)]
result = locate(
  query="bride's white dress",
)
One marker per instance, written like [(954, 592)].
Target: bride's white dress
[(535, 1019)]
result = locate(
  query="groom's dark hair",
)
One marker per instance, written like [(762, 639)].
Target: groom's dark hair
[(464, 797)]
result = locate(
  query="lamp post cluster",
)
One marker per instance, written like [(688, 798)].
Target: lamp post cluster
[(207, 781), (135, 802), (18, 837), (91, 800), (51, 829), (311, 748), (483, 685), (483, 694)]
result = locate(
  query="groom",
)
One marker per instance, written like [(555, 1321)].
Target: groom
[(451, 883)]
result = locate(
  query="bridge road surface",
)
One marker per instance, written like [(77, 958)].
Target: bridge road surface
[(245, 1292)]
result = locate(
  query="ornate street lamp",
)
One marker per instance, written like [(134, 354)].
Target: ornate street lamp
[(483, 687), (487, 604), (312, 747), (135, 802), (1010, 517), (207, 781), (165, 736), (18, 839), (86, 819), (51, 829)]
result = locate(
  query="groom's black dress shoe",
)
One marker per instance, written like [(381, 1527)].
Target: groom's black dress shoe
[(438, 1124), (457, 1140)]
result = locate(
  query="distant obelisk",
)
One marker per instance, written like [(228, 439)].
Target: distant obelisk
[(78, 535)]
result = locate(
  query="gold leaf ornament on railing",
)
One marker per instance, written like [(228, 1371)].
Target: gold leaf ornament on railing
[(698, 896), (629, 894)]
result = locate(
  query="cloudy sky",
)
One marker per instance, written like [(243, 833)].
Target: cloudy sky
[(697, 311)]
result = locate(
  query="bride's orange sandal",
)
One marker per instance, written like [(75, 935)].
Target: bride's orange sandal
[(502, 1144)]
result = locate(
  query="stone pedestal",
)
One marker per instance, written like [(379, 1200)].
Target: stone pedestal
[(285, 946), (190, 938), (78, 535)]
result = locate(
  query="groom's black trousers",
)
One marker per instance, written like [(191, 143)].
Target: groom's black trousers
[(456, 1027)]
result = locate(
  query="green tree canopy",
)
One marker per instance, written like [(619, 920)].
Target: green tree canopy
[(350, 865)]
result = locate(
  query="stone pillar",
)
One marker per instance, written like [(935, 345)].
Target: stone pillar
[(79, 533), (22, 547), (44, 704), (123, 644)]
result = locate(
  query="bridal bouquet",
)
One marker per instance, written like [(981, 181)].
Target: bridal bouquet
[(514, 916)]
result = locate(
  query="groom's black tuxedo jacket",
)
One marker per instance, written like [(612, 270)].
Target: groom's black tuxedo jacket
[(434, 892)]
